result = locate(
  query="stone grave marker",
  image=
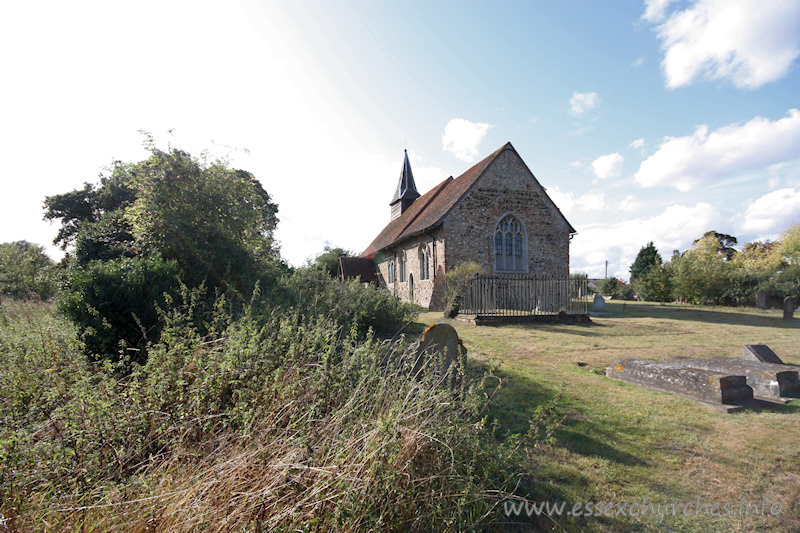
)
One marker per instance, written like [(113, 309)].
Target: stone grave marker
[(761, 299), (599, 305), (788, 308), (703, 385), (760, 352), (439, 344), (767, 379)]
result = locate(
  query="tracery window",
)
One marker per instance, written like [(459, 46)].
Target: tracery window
[(390, 276), (424, 262), (510, 245)]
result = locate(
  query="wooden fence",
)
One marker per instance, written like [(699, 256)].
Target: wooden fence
[(524, 295)]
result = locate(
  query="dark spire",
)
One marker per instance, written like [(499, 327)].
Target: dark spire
[(406, 189)]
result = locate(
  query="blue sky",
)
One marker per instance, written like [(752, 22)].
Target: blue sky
[(645, 121)]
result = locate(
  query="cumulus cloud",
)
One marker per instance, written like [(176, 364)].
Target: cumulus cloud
[(570, 204), (462, 137), (629, 204), (686, 162), (608, 166), (618, 243), (773, 212), (580, 103), (748, 42), (638, 143)]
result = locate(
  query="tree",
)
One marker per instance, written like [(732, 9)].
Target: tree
[(328, 260), (26, 271), (701, 274), (725, 243), (615, 288), (151, 225), (655, 285), (788, 245), (215, 222), (647, 257)]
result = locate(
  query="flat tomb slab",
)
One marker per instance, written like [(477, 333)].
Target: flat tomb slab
[(766, 379), (760, 352), (697, 384)]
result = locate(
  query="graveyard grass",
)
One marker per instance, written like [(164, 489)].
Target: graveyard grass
[(622, 443)]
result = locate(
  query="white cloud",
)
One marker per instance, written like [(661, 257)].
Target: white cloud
[(462, 137), (686, 162), (629, 204), (638, 143), (773, 212), (618, 243), (655, 10), (608, 166), (638, 62), (569, 204), (582, 102), (749, 42), (425, 176)]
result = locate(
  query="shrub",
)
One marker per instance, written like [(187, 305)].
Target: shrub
[(26, 271), (458, 281), (265, 422), (349, 303), (113, 303)]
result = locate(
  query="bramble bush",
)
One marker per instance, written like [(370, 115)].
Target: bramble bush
[(264, 421), (114, 303)]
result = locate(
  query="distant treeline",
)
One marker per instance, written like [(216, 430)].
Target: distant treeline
[(714, 271)]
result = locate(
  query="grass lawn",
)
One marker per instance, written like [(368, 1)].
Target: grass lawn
[(620, 443)]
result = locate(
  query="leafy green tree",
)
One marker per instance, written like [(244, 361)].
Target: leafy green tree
[(655, 285), (77, 209), (647, 258), (215, 222), (328, 260), (725, 243), (609, 287), (789, 245), (151, 225), (701, 274), (26, 271)]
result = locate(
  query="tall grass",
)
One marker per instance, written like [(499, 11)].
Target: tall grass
[(266, 421)]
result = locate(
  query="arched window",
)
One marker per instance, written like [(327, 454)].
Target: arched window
[(424, 262), (401, 264), (510, 246), (390, 274)]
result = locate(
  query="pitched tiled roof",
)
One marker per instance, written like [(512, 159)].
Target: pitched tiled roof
[(429, 209), (353, 267)]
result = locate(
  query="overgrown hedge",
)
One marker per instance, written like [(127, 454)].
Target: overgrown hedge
[(266, 421)]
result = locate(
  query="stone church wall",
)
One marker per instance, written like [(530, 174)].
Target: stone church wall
[(427, 293), (507, 187)]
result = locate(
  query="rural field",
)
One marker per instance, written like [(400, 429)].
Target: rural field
[(621, 443)]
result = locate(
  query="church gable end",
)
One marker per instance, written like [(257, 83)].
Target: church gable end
[(496, 214), (507, 223)]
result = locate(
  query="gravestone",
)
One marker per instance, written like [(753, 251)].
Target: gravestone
[(703, 385), (788, 308), (761, 299), (437, 348), (766, 379), (760, 352), (599, 305)]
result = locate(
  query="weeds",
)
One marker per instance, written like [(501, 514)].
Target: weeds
[(261, 422)]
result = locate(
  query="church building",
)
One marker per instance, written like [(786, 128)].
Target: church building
[(496, 214)]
